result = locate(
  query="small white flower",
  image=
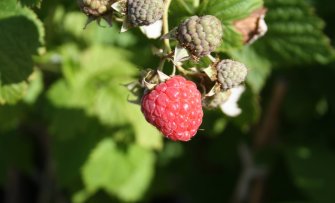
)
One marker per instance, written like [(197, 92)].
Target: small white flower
[(230, 107)]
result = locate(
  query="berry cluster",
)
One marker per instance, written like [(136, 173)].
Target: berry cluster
[(174, 104)]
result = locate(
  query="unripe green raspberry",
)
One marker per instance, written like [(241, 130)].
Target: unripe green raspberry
[(200, 35), (144, 12), (95, 7), (231, 73)]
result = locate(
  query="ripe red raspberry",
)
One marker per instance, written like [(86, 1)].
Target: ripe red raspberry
[(174, 107)]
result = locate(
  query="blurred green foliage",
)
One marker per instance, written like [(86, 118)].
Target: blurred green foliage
[(64, 114)]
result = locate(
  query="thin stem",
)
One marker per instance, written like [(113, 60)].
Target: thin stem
[(174, 71), (182, 70), (186, 72), (196, 3), (166, 26), (161, 65), (163, 60), (211, 58)]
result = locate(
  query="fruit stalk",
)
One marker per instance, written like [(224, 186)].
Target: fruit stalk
[(166, 25), (167, 47)]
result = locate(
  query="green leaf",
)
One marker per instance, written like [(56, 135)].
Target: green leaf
[(95, 85), (35, 87), (28, 91), (16, 48), (182, 8), (145, 134), (73, 22), (231, 39), (123, 172), (313, 170), (258, 68), (229, 10), (74, 135), (295, 34), (31, 3), (13, 93)]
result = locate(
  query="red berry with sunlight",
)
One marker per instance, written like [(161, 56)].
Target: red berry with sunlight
[(174, 107)]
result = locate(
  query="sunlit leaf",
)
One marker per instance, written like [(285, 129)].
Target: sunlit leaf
[(123, 172), (17, 48)]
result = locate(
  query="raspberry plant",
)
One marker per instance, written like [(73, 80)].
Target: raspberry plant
[(234, 101), (199, 36)]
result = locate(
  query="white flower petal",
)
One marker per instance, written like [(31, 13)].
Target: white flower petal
[(154, 30), (230, 107)]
